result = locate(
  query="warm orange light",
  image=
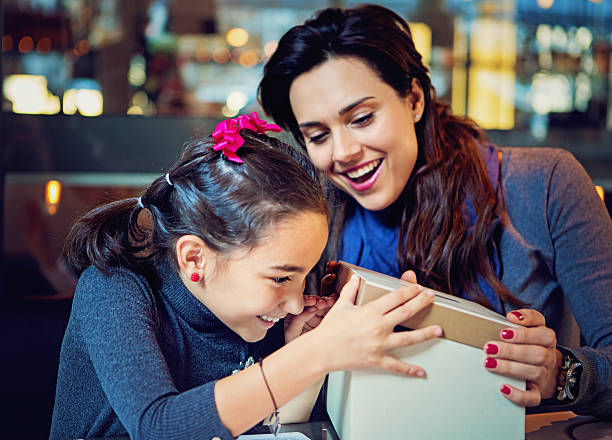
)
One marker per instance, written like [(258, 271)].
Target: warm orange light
[(270, 48), (237, 37), (43, 45), (421, 35), (600, 191), (53, 193), (81, 48), (545, 4), (7, 43), (203, 54), (26, 44), (221, 55), (248, 58)]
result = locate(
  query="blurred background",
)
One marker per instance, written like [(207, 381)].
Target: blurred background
[(98, 97)]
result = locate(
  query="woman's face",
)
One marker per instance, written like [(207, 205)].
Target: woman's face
[(250, 291), (357, 129)]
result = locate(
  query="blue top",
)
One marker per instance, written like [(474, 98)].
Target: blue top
[(555, 250), (143, 361)]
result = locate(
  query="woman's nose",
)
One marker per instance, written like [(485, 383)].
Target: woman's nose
[(346, 148)]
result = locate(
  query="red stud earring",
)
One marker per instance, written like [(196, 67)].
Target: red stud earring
[(195, 277)]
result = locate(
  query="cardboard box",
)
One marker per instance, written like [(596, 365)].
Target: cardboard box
[(458, 399)]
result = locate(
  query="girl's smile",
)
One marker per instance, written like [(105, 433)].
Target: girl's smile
[(251, 291)]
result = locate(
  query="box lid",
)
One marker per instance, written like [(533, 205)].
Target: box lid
[(462, 320)]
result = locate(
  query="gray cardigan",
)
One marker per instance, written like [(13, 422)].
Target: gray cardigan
[(555, 248)]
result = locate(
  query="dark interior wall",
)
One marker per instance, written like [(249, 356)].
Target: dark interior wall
[(31, 332)]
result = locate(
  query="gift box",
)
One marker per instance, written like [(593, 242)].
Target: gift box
[(457, 399)]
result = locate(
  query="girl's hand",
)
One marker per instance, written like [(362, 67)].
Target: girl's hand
[(409, 276), (527, 353), (353, 337), (315, 308)]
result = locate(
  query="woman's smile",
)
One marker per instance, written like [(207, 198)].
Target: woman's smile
[(363, 177)]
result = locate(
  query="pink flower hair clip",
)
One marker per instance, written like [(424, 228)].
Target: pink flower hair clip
[(227, 133)]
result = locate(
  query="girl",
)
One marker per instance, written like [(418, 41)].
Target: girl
[(416, 187), (173, 311)]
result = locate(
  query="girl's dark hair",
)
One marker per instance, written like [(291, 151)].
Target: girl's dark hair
[(228, 205), (433, 237)]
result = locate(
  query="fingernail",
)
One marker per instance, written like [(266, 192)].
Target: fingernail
[(438, 332), (518, 315), (420, 373), (490, 363), (491, 349), (505, 389), (328, 278), (507, 334)]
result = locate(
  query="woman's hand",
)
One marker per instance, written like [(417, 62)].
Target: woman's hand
[(529, 353), (353, 337), (315, 308)]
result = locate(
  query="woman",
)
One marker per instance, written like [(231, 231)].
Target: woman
[(417, 188)]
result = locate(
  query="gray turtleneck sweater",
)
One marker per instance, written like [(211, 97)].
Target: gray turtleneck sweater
[(143, 362)]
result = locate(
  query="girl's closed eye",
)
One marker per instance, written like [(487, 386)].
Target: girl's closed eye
[(281, 280)]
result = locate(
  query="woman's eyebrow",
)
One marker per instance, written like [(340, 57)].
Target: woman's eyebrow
[(341, 112), (351, 106)]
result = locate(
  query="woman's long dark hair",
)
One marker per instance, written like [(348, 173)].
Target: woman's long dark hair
[(433, 235), (228, 205)]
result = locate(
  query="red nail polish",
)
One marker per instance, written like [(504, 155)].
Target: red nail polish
[(505, 389), (491, 349), (507, 334), (518, 315), (490, 363)]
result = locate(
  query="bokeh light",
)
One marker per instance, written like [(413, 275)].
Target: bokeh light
[(237, 37), (26, 44)]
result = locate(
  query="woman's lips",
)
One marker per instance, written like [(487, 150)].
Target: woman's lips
[(370, 177)]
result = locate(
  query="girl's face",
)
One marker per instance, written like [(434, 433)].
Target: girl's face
[(357, 129), (251, 291)]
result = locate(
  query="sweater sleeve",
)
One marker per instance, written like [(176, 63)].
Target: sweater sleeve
[(117, 321), (581, 233)]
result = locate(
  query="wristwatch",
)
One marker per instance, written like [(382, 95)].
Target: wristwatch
[(568, 381)]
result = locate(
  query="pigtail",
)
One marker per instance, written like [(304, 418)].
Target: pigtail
[(108, 236)]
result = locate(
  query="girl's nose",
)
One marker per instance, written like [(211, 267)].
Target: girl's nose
[(294, 303)]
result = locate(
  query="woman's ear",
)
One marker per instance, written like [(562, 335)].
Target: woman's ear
[(416, 100), (192, 256)]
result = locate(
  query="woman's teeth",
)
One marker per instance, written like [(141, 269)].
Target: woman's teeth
[(267, 318), (364, 170)]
